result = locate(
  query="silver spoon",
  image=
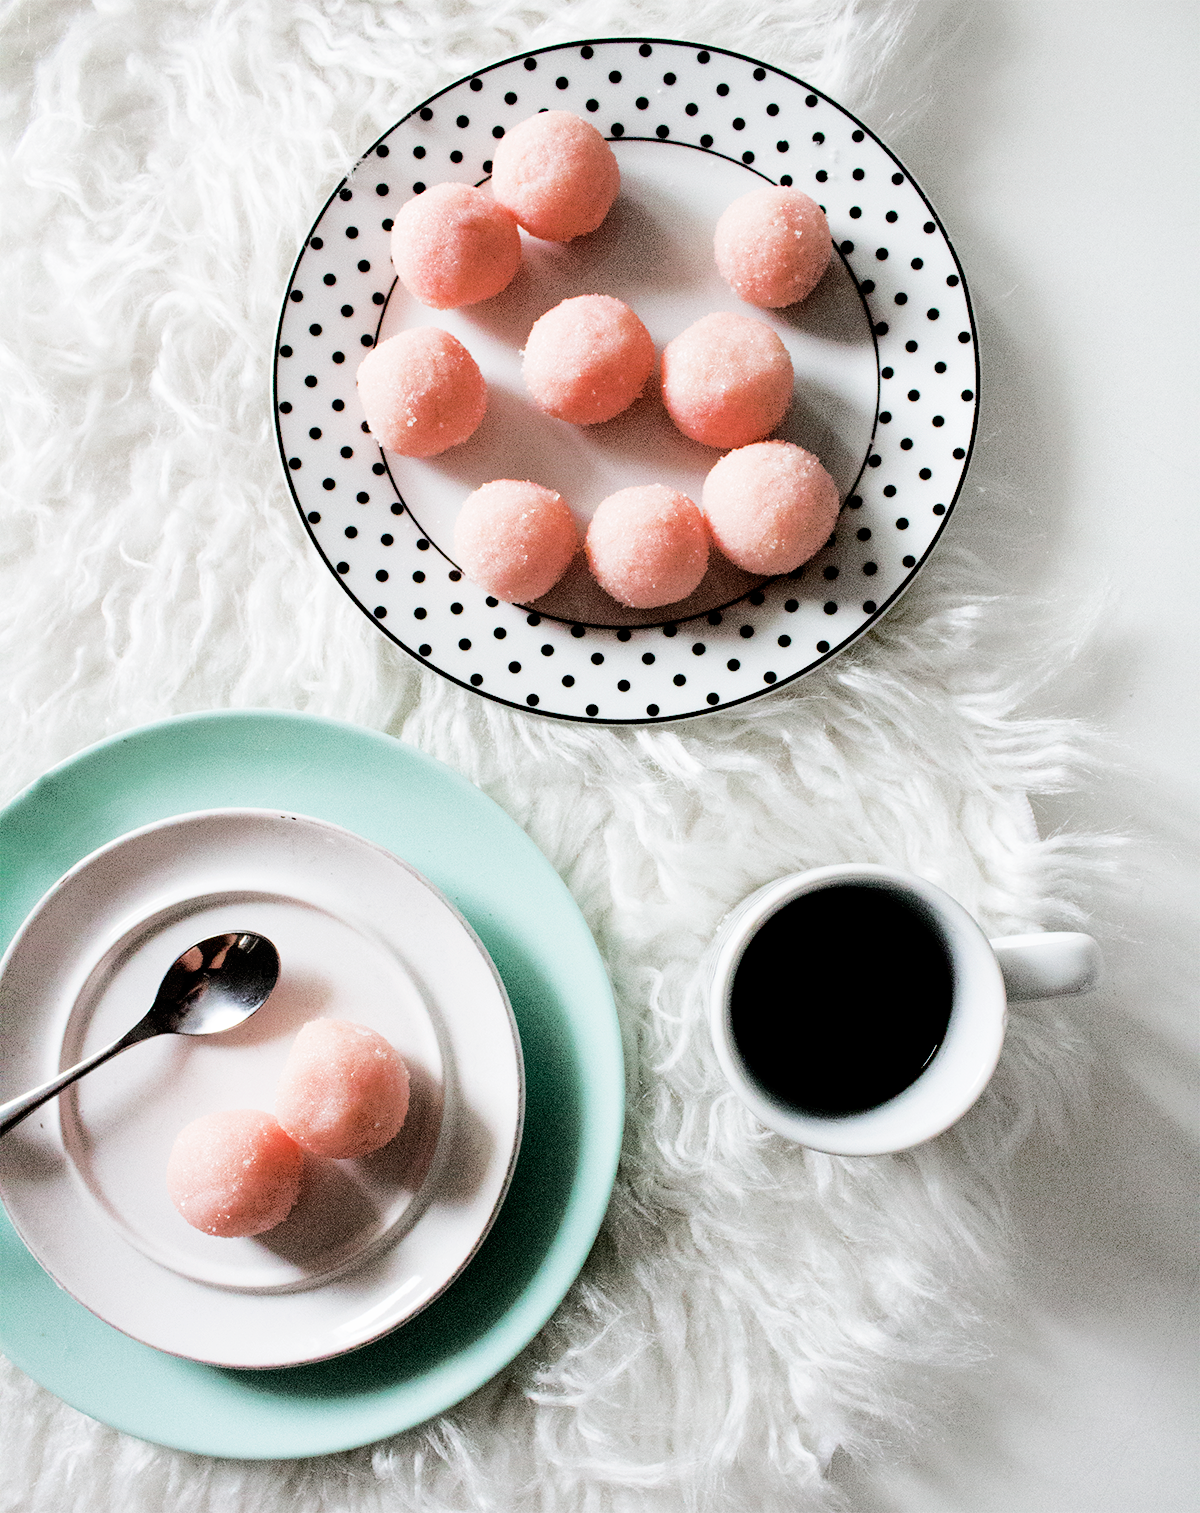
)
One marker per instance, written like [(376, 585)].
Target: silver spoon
[(214, 986)]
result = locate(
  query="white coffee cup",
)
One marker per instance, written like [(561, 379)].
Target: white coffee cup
[(984, 976)]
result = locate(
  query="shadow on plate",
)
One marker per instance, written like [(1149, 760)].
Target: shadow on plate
[(347, 1209)]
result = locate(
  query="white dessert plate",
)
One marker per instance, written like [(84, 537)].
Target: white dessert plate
[(884, 353), (361, 936)]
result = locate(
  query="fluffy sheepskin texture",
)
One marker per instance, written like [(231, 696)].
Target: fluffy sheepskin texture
[(749, 1306)]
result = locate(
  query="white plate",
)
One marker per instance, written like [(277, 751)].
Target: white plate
[(884, 353), (361, 936)]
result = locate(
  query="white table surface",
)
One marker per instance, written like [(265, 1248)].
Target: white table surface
[(1061, 148)]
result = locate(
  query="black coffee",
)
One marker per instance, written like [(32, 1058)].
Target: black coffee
[(841, 999)]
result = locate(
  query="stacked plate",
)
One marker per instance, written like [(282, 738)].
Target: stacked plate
[(398, 896)]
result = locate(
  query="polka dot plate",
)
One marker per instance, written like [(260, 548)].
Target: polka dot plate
[(884, 353)]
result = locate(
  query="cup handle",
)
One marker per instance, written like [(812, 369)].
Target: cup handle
[(1048, 964)]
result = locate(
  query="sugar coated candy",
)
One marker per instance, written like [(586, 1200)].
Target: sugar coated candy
[(647, 546), (343, 1091), (454, 245), (772, 246), (770, 506), (234, 1173), (421, 391), (587, 359), (726, 380), (557, 175), (515, 539)]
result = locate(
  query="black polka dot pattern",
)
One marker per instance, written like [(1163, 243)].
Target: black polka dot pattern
[(695, 101)]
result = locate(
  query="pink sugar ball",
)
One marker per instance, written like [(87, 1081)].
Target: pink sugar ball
[(234, 1173), (770, 506), (587, 359), (772, 246), (647, 546), (727, 380), (343, 1091), (421, 392), (515, 539), (556, 174), (453, 245)]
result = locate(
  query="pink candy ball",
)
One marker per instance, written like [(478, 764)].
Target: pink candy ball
[(770, 506), (772, 246), (343, 1091), (587, 359), (727, 380), (515, 539), (453, 245), (234, 1173), (421, 392), (647, 546), (556, 174)]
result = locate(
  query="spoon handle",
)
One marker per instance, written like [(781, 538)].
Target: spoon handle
[(15, 1110)]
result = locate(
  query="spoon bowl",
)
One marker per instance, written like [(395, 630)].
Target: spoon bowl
[(214, 985)]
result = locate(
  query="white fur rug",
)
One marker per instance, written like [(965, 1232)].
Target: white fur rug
[(750, 1307)]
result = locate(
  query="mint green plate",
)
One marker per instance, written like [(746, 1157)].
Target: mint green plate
[(486, 865)]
